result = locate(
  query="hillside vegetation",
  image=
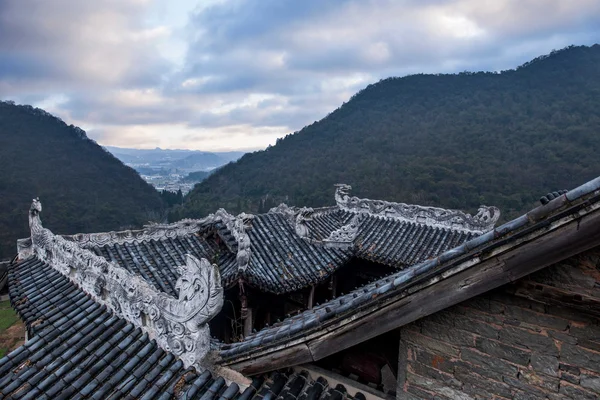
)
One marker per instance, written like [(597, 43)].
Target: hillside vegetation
[(83, 188), (453, 141)]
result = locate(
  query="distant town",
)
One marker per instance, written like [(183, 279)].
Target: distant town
[(173, 170)]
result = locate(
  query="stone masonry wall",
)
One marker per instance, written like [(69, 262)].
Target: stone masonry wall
[(501, 346)]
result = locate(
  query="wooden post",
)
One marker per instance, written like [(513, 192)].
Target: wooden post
[(248, 325), (246, 315), (333, 286), (311, 297)]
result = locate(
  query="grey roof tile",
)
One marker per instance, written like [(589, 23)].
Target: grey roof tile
[(386, 287), (85, 351)]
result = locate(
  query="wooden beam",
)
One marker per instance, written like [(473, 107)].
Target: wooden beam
[(287, 357), (557, 245), (503, 265)]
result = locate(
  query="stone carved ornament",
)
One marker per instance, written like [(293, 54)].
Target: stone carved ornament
[(344, 236), (149, 232), (238, 227), (179, 326), (297, 217), (482, 222)]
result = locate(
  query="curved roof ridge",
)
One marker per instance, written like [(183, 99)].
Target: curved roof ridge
[(583, 199), (156, 231), (482, 222)]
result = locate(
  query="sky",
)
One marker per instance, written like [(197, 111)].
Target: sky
[(220, 75)]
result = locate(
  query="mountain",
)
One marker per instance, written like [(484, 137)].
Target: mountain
[(202, 161), (166, 159), (450, 140), (82, 187)]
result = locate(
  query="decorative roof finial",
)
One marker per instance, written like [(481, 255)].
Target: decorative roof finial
[(342, 194)]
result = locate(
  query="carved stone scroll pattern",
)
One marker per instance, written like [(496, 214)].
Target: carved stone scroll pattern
[(24, 248), (344, 236), (483, 221), (297, 217), (180, 326), (238, 227), (149, 232)]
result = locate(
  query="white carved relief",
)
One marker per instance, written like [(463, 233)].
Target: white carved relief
[(296, 217), (24, 248), (149, 232), (304, 215), (344, 236), (482, 222), (179, 326), (288, 212), (238, 227)]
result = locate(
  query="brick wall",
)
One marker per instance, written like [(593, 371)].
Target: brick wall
[(501, 346)]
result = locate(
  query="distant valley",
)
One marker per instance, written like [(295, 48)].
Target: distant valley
[(173, 170)]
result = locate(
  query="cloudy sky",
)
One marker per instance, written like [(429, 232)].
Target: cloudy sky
[(227, 74)]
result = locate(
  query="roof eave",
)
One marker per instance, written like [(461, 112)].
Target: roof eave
[(485, 267)]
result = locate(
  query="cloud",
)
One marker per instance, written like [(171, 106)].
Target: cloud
[(75, 45), (232, 74)]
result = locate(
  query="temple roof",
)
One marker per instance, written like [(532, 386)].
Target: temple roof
[(82, 343), (79, 348), (387, 240), (290, 248), (565, 210), (281, 261)]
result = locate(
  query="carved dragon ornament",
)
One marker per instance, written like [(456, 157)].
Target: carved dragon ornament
[(179, 325)]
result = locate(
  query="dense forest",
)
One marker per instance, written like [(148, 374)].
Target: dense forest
[(458, 141), (82, 187)]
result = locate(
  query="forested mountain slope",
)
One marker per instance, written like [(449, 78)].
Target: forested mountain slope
[(82, 187), (447, 140)]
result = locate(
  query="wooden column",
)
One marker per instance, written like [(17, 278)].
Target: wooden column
[(311, 297), (246, 313), (248, 325), (333, 286)]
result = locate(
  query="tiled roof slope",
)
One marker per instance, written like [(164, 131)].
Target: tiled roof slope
[(386, 240), (152, 259), (304, 324), (155, 260), (326, 220), (399, 243), (281, 261), (78, 349)]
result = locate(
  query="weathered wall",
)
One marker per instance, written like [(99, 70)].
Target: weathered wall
[(503, 346)]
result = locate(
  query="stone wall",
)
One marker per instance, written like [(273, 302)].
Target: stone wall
[(503, 346)]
